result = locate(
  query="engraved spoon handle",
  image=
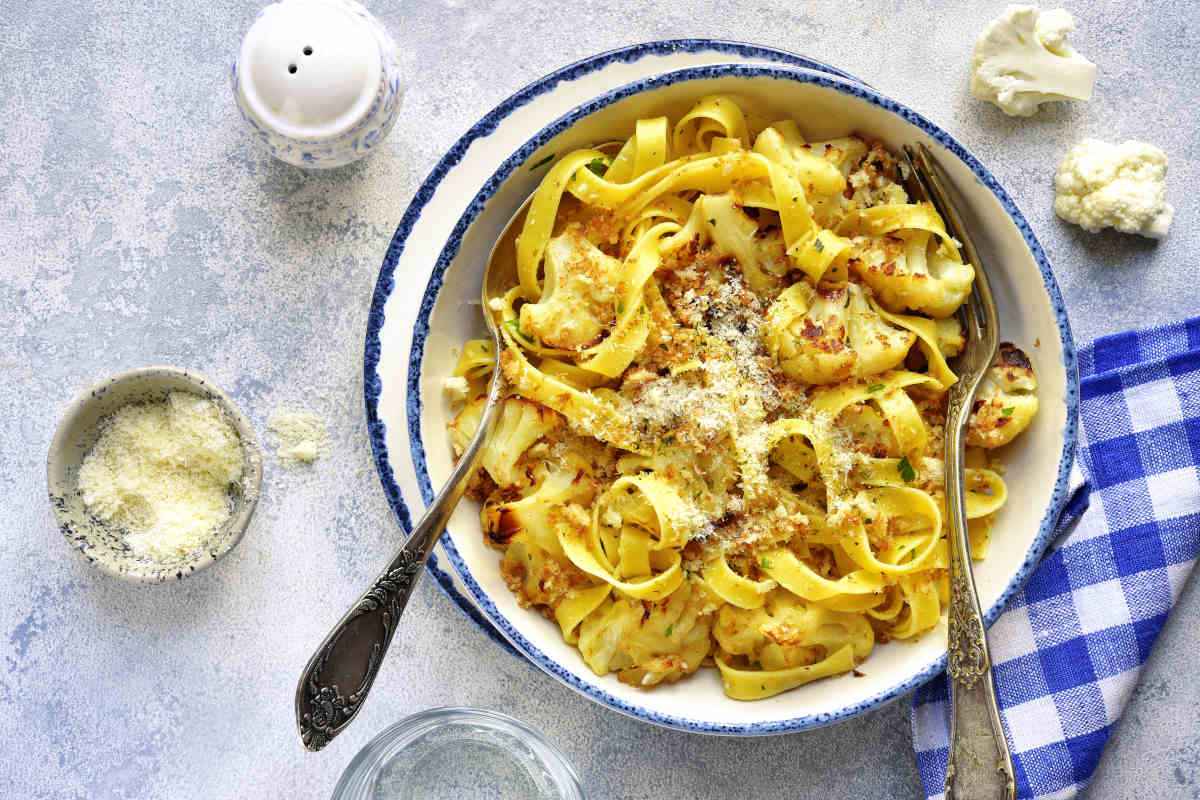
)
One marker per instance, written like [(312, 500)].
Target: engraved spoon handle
[(337, 678)]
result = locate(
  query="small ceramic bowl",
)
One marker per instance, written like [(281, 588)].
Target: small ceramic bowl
[(100, 543)]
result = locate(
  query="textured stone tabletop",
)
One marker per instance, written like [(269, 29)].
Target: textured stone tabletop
[(141, 224)]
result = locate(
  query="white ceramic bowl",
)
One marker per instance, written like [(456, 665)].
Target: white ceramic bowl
[(1031, 314), (103, 546)]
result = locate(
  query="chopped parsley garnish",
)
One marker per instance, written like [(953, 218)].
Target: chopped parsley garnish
[(663, 346), (599, 166), (542, 163), (669, 629), (906, 470), (818, 245), (875, 387), (712, 222), (514, 325), (765, 563), (620, 306), (1008, 412)]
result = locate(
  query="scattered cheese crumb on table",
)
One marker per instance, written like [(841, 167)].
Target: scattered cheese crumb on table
[(300, 436)]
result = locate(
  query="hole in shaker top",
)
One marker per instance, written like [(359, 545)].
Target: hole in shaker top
[(308, 51), (292, 68)]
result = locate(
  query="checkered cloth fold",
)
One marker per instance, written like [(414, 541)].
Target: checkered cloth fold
[(1068, 648)]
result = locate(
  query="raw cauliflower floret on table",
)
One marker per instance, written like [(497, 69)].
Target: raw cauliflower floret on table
[(1022, 60), (1122, 186)]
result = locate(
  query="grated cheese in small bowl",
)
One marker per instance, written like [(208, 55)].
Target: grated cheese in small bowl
[(162, 471), (154, 474)]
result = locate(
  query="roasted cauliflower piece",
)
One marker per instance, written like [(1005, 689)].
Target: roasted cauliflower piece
[(522, 422), (827, 335), (1006, 401), (539, 513), (462, 428), (911, 271), (646, 643), (578, 302)]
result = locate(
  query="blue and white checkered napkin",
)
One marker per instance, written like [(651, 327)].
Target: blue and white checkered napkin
[(1068, 649)]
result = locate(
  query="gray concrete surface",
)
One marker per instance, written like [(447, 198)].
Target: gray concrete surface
[(139, 223)]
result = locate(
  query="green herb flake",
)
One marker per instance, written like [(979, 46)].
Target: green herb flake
[(542, 163), (669, 629), (818, 245), (875, 387), (906, 470), (599, 166), (765, 563), (712, 222), (663, 346), (1008, 412), (514, 325)]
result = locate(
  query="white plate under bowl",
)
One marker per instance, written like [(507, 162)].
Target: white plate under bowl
[(1031, 314)]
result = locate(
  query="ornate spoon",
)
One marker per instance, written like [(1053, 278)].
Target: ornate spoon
[(340, 673), (979, 765)]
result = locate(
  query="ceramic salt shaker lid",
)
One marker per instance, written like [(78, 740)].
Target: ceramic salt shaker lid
[(318, 80)]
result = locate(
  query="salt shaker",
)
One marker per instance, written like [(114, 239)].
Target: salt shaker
[(318, 81)]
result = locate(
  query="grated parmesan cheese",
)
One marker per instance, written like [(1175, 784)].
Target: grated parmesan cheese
[(301, 437), (456, 389), (161, 471)]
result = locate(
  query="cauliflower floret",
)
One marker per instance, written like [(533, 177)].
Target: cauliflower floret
[(1122, 186), (456, 388), (522, 423), (1006, 402), (578, 302), (827, 335), (1022, 60)]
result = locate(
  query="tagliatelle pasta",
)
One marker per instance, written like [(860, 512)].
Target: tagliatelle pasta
[(726, 359)]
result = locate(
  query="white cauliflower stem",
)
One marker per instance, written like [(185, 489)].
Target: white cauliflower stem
[(1022, 60), (1122, 186)]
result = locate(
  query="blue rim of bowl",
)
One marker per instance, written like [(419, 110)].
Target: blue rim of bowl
[(373, 384), (1059, 493)]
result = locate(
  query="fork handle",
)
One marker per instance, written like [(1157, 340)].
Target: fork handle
[(978, 766)]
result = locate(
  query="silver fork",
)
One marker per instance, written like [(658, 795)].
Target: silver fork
[(979, 766)]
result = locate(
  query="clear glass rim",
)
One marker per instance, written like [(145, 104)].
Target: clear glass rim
[(360, 774)]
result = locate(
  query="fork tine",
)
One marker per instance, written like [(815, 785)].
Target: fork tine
[(917, 186), (914, 184), (983, 306)]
